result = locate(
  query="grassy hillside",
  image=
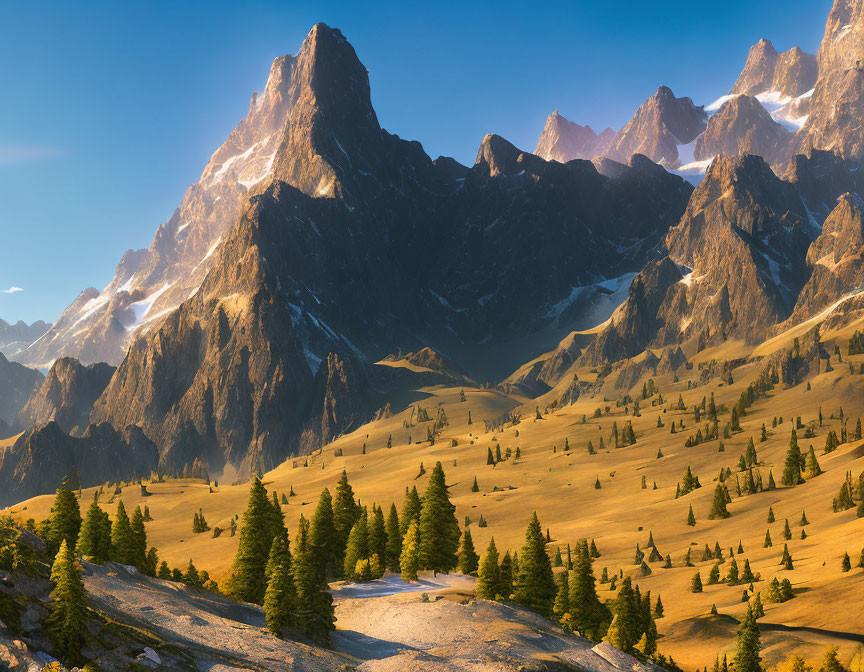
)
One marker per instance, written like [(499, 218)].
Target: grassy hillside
[(560, 486)]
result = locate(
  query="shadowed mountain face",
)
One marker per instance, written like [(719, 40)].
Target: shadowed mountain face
[(360, 245), (17, 383), (67, 394), (17, 337)]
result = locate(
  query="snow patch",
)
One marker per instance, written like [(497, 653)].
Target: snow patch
[(142, 307)]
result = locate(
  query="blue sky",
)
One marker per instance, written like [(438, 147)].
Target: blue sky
[(111, 109)]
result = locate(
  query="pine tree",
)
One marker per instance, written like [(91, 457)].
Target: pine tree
[(247, 582), (314, 602), (488, 575), (66, 622), (691, 519), (394, 540), (787, 532), (409, 561), (279, 598), (357, 548), (561, 606), (747, 658), (468, 558), (696, 583), (812, 464), (410, 509), (139, 539), (846, 563), (475, 487), (792, 467), (345, 514), (94, 540), (658, 608), (587, 612), (323, 536), (768, 543), (65, 520), (771, 517), (378, 541), (718, 507), (439, 529), (535, 583), (122, 539), (164, 572), (624, 630), (506, 571), (830, 663)]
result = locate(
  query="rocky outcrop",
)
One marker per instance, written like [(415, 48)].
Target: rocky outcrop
[(19, 336), (44, 456), (822, 177), (431, 359), (634, 370), (636, 323), (836, 259), (743, 126), (66, 396), (744, 235), (789, 74), (17, 383), (563, 140), (836, 120), (670, 360), (660, 125)]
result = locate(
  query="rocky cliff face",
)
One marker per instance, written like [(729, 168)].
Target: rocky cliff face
[(822, 177), (836, 120), (16, 337), (67, 394), (17, 383), (744, 235), (323, 272), (789, 74), (563, 140), (743, 126), (43, 456), (147, 284), (836, 258), (659, 127)]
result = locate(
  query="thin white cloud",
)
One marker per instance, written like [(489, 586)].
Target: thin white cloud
[(12, 290), (12, 155)]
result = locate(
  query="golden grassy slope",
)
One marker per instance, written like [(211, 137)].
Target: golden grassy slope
[(560, 487)]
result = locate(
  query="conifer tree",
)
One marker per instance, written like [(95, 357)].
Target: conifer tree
[(506, 572), (787, 532), (410, 509), (314, 602), (749, 645), (696, 583), (345, 514), (65, 520), (164, 571), (378, 540), (624, 632), (409, 561), (535, 583), (122, 540), (846, 563), (794, 459), (279, 598), (357, 548), (768, 543), (812, 464), (439, 529), (488, 575), (94, 541), (718, 507), (247, 582), (323, 536), (691, 519), (561, 606), (587, 612), (394, 540), (66, 622), (139, 539), (830, 663), (468, 558)]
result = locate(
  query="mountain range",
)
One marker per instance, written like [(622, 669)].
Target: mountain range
[(317, 244)]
